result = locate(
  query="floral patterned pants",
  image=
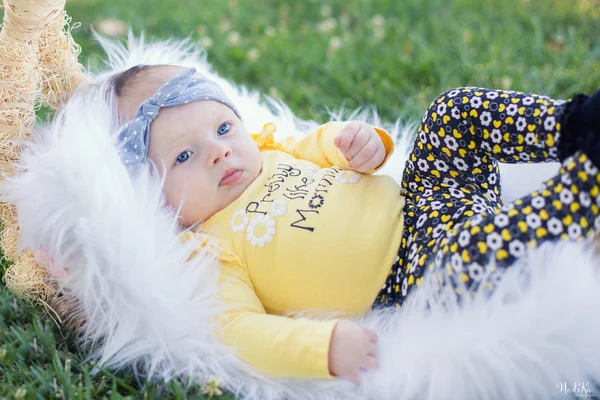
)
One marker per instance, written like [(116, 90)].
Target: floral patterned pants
[(455, 222)]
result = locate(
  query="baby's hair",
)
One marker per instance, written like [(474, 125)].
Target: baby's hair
[(121, 80), (137, 78)]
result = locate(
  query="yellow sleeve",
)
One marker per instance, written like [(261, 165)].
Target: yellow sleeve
[(275, 345), (319, 147)]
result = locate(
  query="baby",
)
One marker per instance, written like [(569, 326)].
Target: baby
[(305, 225)]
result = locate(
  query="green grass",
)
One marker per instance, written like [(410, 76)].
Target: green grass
[(314, 55)]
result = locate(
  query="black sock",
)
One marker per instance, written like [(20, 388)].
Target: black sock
[(580, 127)]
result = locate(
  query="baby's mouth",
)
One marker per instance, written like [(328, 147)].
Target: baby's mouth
[(231, 177)]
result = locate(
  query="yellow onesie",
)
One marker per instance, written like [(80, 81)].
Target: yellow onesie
[(307, 234)]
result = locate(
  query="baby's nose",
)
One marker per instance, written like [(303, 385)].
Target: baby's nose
[(219, 153)]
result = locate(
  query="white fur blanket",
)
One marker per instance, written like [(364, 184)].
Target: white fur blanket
[(149, 307)]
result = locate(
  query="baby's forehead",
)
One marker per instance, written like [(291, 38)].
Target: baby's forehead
[(144, 85)]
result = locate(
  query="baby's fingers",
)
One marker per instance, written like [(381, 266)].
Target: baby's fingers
[(362, 155), (351, 140), (371, 349), (370, 363), (370, 157), (371, 335)]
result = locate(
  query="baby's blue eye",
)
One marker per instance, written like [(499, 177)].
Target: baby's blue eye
[(223, 129), (183, 157)]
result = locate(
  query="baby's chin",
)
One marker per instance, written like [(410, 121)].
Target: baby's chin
[(235, 192), (190, 221)]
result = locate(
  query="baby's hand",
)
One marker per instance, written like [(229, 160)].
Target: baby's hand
[(353, 349), (361, 145)]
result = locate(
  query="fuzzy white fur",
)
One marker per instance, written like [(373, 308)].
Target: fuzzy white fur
[(150, 307)]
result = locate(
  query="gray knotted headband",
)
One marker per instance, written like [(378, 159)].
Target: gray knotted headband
[(181, 89)]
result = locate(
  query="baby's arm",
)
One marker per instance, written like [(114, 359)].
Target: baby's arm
[(292, 348), (350, 145)]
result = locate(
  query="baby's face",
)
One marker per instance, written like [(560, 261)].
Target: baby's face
[(207, 154)]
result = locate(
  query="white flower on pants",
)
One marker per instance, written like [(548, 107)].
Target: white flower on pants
[(278, 208), (510, 206), (527, 101), (421, 220), (347, 177), (516, 248), (456, 193), (494, 241), (414, 265), (460, 164), (464, 238), (490, 194), (457, 263), (436, 205), (434, 139), (530, 138), (441, 108), (486, 118), (450, 182), (538, 202), (413, 251), (496, 277), (574, 231), (555, 226), (451, 143), (589, 168), (476, 220), (496, 136), (239, 220), (533, 220), (438, 230), (440, 165), (501, 220), (566, 179), (475, 102), (260, 231), (585, 199), (512, 109), (423, 166), (549, 123), (521, 124), (478, 199), (566, 196), (476, 272), (455, 112)]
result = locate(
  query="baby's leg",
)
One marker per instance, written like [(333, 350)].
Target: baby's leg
[(452, 175), (466, 131), (440, 243), (565, 208)]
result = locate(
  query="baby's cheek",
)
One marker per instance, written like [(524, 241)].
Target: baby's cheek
[(255, 161), (174, 195)]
